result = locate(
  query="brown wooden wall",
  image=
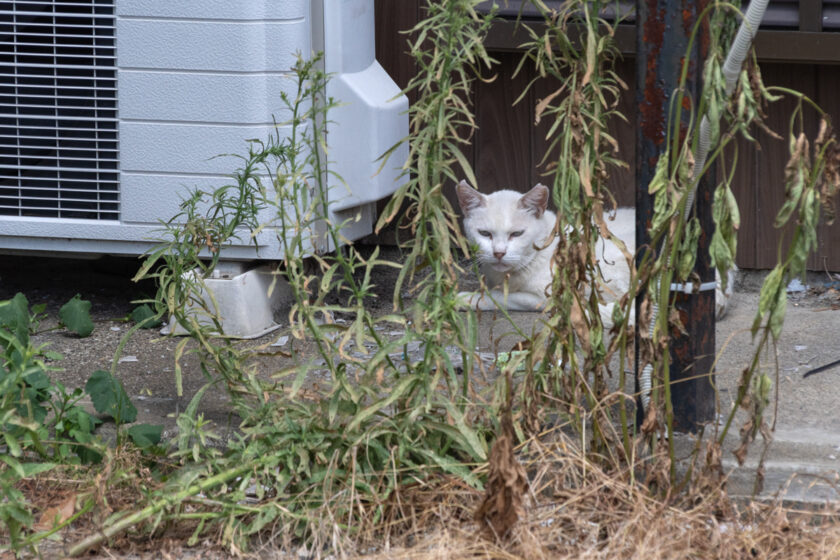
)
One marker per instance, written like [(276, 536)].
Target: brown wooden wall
[(507, 147)]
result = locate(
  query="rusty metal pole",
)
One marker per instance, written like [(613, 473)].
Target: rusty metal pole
[(663, 28)]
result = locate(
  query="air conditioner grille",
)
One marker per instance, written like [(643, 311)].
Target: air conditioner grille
[(59, 150)]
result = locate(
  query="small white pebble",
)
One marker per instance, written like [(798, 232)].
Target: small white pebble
[(115, 329), (127, 359)]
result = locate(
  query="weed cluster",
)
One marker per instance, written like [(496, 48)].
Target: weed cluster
[(43, 424)]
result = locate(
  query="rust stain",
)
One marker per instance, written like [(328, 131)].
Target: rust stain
[(688, 19), (651, 108), (704, 33)]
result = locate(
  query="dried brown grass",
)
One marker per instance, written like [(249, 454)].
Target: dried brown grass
[(573, 509), (576, 509)]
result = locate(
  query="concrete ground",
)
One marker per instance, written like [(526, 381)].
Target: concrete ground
[(803, 460)]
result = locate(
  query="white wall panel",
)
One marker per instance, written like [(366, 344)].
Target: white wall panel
[(203, 97), (236, 47), (216, 9)]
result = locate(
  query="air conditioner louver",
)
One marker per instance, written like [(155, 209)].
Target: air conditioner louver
[(59, 152)]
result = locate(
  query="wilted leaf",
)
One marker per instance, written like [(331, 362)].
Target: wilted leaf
[(75, 315), (759, 479), (507, 484), (543, 103), (650, 424), (109, 397), (57, 514), (660, 175), (741, 452), (777, 314)]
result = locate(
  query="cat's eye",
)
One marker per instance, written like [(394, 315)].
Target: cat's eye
[(517, 233), (484, 233)]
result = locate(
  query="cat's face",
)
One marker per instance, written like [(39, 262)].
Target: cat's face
[(507, 226)]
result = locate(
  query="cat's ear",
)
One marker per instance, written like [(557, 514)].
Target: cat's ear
[(469, 198), (535, 200)]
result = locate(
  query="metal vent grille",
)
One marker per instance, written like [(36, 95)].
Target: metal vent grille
[(58, 110)]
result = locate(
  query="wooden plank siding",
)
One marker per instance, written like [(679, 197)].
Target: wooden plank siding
[(508, 146)]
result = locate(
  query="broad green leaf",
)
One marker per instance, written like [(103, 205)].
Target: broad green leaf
[(14, 316), (145, 317), (145, 435), (109, 397), (75, 315), (37, 379)]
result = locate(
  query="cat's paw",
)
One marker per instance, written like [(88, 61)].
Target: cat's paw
[(723, 299), (465, 300), (721, 303), (474, 300)]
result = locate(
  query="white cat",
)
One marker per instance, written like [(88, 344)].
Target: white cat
[(514, 234)]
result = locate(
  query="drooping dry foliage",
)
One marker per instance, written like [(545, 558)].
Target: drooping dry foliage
[(507, 486)]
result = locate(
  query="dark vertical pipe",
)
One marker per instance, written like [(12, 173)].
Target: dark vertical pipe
[(663, 29)]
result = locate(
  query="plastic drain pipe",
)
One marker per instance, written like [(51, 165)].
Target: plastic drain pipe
[(731, 69)]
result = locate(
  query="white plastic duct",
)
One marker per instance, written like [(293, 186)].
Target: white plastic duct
[(372, 116)]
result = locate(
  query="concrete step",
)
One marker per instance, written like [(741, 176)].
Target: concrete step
[(801, 465)]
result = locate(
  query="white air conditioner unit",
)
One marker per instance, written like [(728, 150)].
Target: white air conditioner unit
[(111, 110)]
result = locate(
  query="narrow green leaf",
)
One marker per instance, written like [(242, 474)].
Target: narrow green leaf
[(14, 464), (31, 469), (470, 440), (369, 411), (12, 444), (465, 165), (453, 467)]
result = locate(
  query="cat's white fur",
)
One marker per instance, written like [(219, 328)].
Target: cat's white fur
[(515, 237)]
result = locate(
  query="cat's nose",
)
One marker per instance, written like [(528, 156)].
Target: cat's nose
[(499, 254)]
